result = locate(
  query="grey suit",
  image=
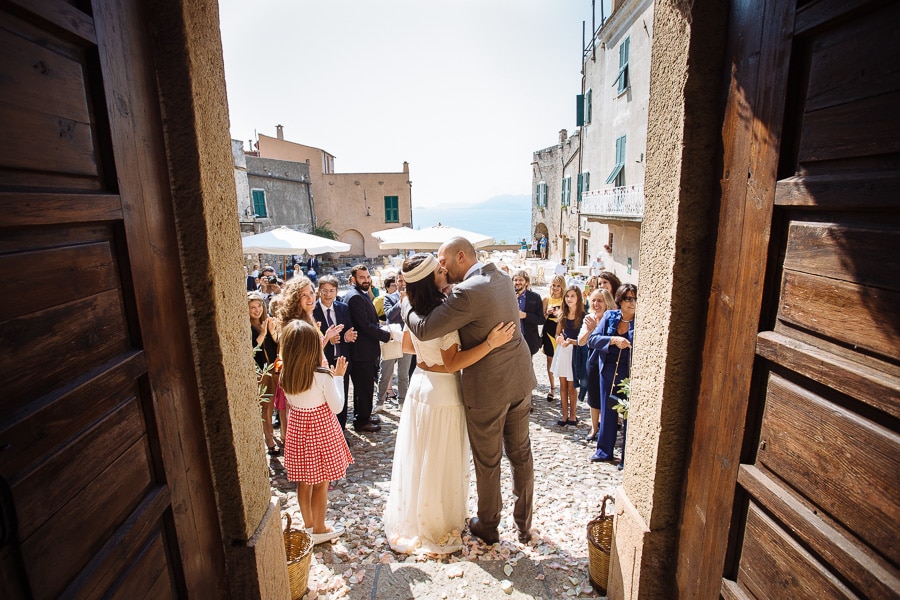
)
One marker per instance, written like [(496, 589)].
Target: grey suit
[(496, 389)]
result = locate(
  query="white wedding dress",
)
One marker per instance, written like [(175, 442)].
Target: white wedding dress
[(427, 506)]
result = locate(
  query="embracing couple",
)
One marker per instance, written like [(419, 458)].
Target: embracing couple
[(475, 328)]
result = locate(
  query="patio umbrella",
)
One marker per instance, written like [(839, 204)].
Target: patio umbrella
[(285, 240), (386, 235), (431, 238)]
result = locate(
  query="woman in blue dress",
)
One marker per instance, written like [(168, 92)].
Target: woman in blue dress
[(609, 362)]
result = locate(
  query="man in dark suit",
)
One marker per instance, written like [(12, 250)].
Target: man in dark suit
[(365, 354), (496, 390), (330, 311), (531, 309)]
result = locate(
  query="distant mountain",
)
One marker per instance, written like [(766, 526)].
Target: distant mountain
[(506, 217)]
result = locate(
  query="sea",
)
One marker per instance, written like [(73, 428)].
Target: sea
[(507, 218)]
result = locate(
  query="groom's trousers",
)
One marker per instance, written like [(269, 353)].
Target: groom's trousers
[(492, 429)]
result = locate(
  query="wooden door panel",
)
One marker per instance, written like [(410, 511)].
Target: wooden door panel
[(840, 311), (776, 566), (810, 430), (828, 453), (844, 253), (99, 432)]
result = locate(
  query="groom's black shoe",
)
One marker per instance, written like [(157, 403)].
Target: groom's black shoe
[(524, 536), (487, 535)]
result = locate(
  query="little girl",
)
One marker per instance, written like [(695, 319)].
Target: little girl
[(566, 340), (315, 451)]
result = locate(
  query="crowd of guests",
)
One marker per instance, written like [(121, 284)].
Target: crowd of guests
[(586, 334)]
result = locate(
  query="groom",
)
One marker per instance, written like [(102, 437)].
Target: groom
[(496, 389)]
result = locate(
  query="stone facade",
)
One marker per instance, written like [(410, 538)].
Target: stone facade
[(286, 188), (550, 215), (354, 205), (615, 115)]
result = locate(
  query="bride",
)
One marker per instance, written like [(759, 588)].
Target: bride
[(427, 506)]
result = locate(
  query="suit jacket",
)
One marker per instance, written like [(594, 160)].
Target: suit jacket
[(341, 317), (367, 346), (474, 307), (534, 318), (392, 308)]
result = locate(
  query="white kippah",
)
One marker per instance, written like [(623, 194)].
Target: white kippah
[(422, 270)]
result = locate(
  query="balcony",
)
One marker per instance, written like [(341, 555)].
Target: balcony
[(620, 203)]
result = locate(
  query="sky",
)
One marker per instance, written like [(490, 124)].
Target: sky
[(464, 90)]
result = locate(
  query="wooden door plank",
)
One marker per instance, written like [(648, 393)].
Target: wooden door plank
[(104, 569), (863, 255), (844, 463), (836, 75), (46, 143), (63, 15), (150, 564), (759, 46), (860, 316), (76, 533), (76, 335), (864, 127), (876, 384), (843, 191), (24, 209), (774, 565), (36, 428), (871, 574)]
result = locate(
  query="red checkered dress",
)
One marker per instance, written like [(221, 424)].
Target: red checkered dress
[(315, 449)]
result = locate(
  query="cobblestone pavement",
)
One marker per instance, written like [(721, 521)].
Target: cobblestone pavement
[(568, 492)]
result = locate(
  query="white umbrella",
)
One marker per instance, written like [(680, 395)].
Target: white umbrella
[(431, 238), (386, 235), (285, 240)]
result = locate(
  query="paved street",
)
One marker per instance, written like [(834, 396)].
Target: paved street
[(568, 491)]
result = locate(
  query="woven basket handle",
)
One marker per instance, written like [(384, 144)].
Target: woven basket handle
[(288, 526), (606, 499)]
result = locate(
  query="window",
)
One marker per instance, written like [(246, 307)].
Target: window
[(579, 110), (587, 107), (566, 197), (391, 209), (584, 184), (622, 80), (259, 203), (617, 176), (540, 194)]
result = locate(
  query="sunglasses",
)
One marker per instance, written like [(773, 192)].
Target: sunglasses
[(629, 299)]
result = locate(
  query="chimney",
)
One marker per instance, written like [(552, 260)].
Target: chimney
[(279, 132), (405, 167), (563, 134)]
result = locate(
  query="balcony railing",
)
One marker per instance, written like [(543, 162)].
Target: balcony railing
[(625, 202)]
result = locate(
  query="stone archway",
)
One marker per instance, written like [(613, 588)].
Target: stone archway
[(357, 243)]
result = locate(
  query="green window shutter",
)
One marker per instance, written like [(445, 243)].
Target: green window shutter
[(620, 151), (259, 203), (579, 110), (614, 175), (580, 188), (587, 107), (587, 182), (622, 79), (391, 209)]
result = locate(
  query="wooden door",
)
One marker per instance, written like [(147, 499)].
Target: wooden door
[(105, 486), (793, 481)]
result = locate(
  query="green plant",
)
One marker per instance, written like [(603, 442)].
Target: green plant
[(623, 396), (324, 230), (262, 394)]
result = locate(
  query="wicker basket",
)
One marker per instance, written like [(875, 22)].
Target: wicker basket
[(298, 547), (599, 535)]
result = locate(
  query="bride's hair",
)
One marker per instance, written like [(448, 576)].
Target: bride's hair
[(423, 294)]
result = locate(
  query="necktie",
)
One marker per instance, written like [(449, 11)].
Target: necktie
[(329, 320)]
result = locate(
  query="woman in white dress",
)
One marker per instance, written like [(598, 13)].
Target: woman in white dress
[(427, 505)]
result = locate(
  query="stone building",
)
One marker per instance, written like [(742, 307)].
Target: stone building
[(615, 95), (554, 209), (589, 190), (354, 205)]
